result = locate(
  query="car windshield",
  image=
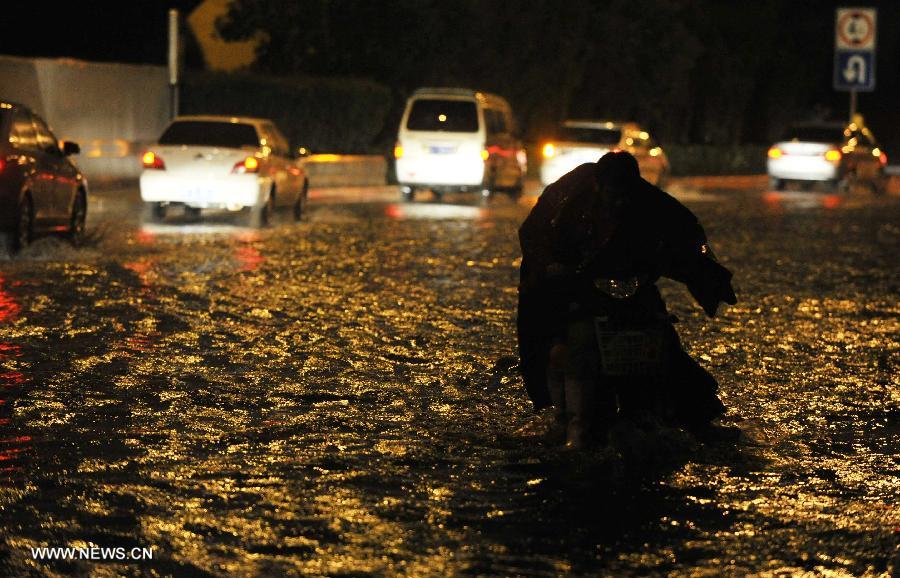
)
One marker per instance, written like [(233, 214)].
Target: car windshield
[(823, 134), (210, 133), (605, 136), (443, 115)]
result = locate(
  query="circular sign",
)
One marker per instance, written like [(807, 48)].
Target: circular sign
[(856, 29)]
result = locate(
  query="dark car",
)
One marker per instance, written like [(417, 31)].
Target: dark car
[(41, 191)]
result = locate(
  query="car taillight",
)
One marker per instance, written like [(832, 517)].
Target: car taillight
[(2, 165), (248, 165), (775, 153), (398, 151), (549, 150), (150, 160), (833, 156)]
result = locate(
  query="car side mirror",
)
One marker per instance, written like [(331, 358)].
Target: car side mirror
[(71, 148)]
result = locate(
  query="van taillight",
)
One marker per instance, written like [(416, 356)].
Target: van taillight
[(150, 160), (398, 151)]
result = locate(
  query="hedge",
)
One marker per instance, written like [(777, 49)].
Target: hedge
[(716, 159), (346, 115), (335, 115)]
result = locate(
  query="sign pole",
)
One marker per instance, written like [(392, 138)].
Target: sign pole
[(852, 104), (173, 62)]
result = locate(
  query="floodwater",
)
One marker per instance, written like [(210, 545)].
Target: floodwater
[(340, 397)]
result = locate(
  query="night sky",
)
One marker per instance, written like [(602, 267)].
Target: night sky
[(132, 31)]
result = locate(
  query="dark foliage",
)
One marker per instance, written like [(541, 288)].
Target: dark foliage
[(322, 114), (694, 71)]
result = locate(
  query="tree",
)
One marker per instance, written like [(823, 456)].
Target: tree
[(698, 71)]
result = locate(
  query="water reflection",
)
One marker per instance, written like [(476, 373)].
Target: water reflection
[(12, 445), (434, 211), (349, 406), (801, 200)]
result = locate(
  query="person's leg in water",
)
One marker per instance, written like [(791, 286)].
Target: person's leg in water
[(556, 386), (589, 402)]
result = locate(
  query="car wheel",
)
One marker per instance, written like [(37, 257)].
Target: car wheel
[(516, 190), (843, 186), (261, 215), (408, 194), (192, 213), (487, 190), (489, 184), (154, 212), (879, 185), (78, 219), (776, 184), (300, 205), (24, 231)]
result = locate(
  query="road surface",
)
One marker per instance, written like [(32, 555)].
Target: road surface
[(340, 397)]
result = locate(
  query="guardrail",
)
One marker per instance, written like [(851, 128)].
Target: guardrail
[(326, 170)]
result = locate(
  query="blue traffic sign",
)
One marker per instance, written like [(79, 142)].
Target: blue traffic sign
[(854, 70)]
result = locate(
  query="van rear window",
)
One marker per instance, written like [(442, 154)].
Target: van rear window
[(211, 134), (443, 115)]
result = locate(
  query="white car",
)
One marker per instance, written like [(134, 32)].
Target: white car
[(836, 154), (585, 141), (454, 139), (219, 162)]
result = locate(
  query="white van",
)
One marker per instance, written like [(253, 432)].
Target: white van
[(454, 139)]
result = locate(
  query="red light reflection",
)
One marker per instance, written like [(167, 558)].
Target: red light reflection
[(393, 212), (145, 237), (779, 201), (12, 447), (9, 309), (248, 258)]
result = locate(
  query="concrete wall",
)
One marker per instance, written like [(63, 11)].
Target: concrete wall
[(112, 110)]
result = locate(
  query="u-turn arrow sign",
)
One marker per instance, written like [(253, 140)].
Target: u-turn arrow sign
[(854, 70)]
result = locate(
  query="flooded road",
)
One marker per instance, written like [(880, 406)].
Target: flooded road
[(340, 397)]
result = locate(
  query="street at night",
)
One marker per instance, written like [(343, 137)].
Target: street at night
[(341, 397)]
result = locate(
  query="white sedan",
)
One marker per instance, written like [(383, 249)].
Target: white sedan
[(219, 162), (585, 141), (836, 154)]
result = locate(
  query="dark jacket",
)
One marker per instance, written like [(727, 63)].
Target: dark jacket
[(649, 236)]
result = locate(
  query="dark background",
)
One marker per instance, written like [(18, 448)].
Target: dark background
[(699, 71)]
